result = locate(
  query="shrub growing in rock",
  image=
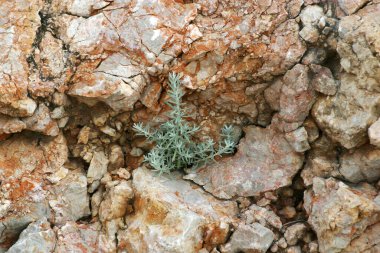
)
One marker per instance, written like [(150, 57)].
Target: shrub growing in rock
[(175, 146)]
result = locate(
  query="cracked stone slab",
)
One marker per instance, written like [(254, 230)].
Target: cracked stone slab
[(262, 152)]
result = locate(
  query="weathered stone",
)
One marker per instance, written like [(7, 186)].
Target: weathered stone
[(298, 139), (323, 80), (260, 152), (10, 125), (361, 164), (171, 215), (351, 6), (24, 160), (263, 216), (97, 168), (297, 95), (310, 34), (321, 161), (374, 133), (18, 27), (37, 237), (116, 202), (294, 233), (69, 200), (73, 237), (249, 238), (345, 117), (42, 122), (341, 215), (311, 14), (273, 93), (116, 158), (151, 94)]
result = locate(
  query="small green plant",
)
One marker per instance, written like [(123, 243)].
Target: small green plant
[(175, 146)]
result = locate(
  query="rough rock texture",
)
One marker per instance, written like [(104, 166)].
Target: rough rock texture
[(346, 116), (173, 216), (37, 237), (260, 152), (298, 79), (342, 216)]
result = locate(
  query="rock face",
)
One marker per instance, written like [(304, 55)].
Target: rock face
[(297, 79), (260, 152), (344, 218), (347, 116), (172, 216)]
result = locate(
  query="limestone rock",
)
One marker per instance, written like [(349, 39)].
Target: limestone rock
[(361, 164), (250, 238), (374, 133), (42, 122), (260, 152), (116, 201), (97, 169), (18, 31), (345, 117), (37, 237), (73, 237), (297, 94), (294, 233), (323, 80), (172, 215), (298, 139), (321, 161), (69, 199), (341, 215), (263, 216), (23, 163), (351, 6), (10, 125)]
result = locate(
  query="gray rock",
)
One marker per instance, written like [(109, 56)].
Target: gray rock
[(37, 237), (361, 164), (323, 80), (97, 168), (249, 238), (10, 125), (41, 122)]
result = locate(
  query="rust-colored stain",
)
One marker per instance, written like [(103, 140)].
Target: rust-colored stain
[(21, 189), (156, 212)]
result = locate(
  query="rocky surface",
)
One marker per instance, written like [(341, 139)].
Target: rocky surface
[(298, 79)]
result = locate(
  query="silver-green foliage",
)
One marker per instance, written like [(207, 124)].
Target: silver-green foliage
[(175, 147)]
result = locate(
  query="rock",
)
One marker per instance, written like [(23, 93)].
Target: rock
[(172, 215), (263, 216), (288, 212), (351, 6), (294, 233), (37, 237), (361, 164), (311, 129), (374, 133), (24, 162), (69, 199), (297, 95), (298, 139), (272, 94), (116, 81), (18, 27), (321, 161), (310, 34), (116, 202), (323, 80), (294, 249), (345, 117), (42, 122), (116, 157), (10, 125), (151, 94), (73, 237), (250, 238), (97, 169), (341, 215), (260, 152), (311, 14), (294, 8), (314, 56)]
